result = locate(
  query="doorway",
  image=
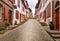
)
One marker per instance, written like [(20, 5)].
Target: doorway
[(57, 15), (57, 20), (10, 17)]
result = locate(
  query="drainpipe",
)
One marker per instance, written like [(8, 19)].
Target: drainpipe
[(51, 11)]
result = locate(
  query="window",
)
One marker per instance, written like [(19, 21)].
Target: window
[(0, 12), (23, 8), (19, 3), (10, 14), (17, 14)]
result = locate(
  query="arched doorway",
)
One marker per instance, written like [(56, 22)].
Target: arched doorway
[(10, 17), (57, 15)]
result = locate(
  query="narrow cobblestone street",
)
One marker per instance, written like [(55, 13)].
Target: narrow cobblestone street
[(29, 20), (29, 31)]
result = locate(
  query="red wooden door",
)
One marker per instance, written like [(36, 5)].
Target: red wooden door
[(57, 21), (10, 17)]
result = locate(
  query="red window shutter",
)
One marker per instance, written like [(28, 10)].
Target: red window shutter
[(17, 15), (6, 13)]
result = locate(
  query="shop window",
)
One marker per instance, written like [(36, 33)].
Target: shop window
[(0, 12)]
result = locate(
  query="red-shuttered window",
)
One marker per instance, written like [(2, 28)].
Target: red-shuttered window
[(17, 15), (6, 13)]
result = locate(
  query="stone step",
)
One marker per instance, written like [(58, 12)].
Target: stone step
[(57, 39), (55, 36), (54, 32)]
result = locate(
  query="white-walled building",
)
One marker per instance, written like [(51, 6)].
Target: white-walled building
[(20, 11), (44, 11), (24, 10), (16, 16)]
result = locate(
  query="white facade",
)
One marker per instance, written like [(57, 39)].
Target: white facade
[(48, 20), (21, 8), (14, 16), (27, 13), (44, 6)]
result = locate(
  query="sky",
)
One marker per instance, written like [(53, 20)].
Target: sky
[(32, 4)]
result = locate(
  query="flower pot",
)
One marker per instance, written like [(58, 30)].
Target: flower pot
[(51, 26)]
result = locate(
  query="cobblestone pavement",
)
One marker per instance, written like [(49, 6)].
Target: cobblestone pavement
[(29, 31)]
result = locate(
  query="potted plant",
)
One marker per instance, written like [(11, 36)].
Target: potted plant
[(7, 23), (15, 22), (51, 26)]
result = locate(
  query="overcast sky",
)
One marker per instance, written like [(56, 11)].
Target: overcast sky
[(32, 4)]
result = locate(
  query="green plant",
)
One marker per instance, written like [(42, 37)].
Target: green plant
[(7, 23), (15, 22), (51, 25), (13, 27), (2, 28)]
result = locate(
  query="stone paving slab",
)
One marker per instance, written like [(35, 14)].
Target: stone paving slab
[(29, 31)]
